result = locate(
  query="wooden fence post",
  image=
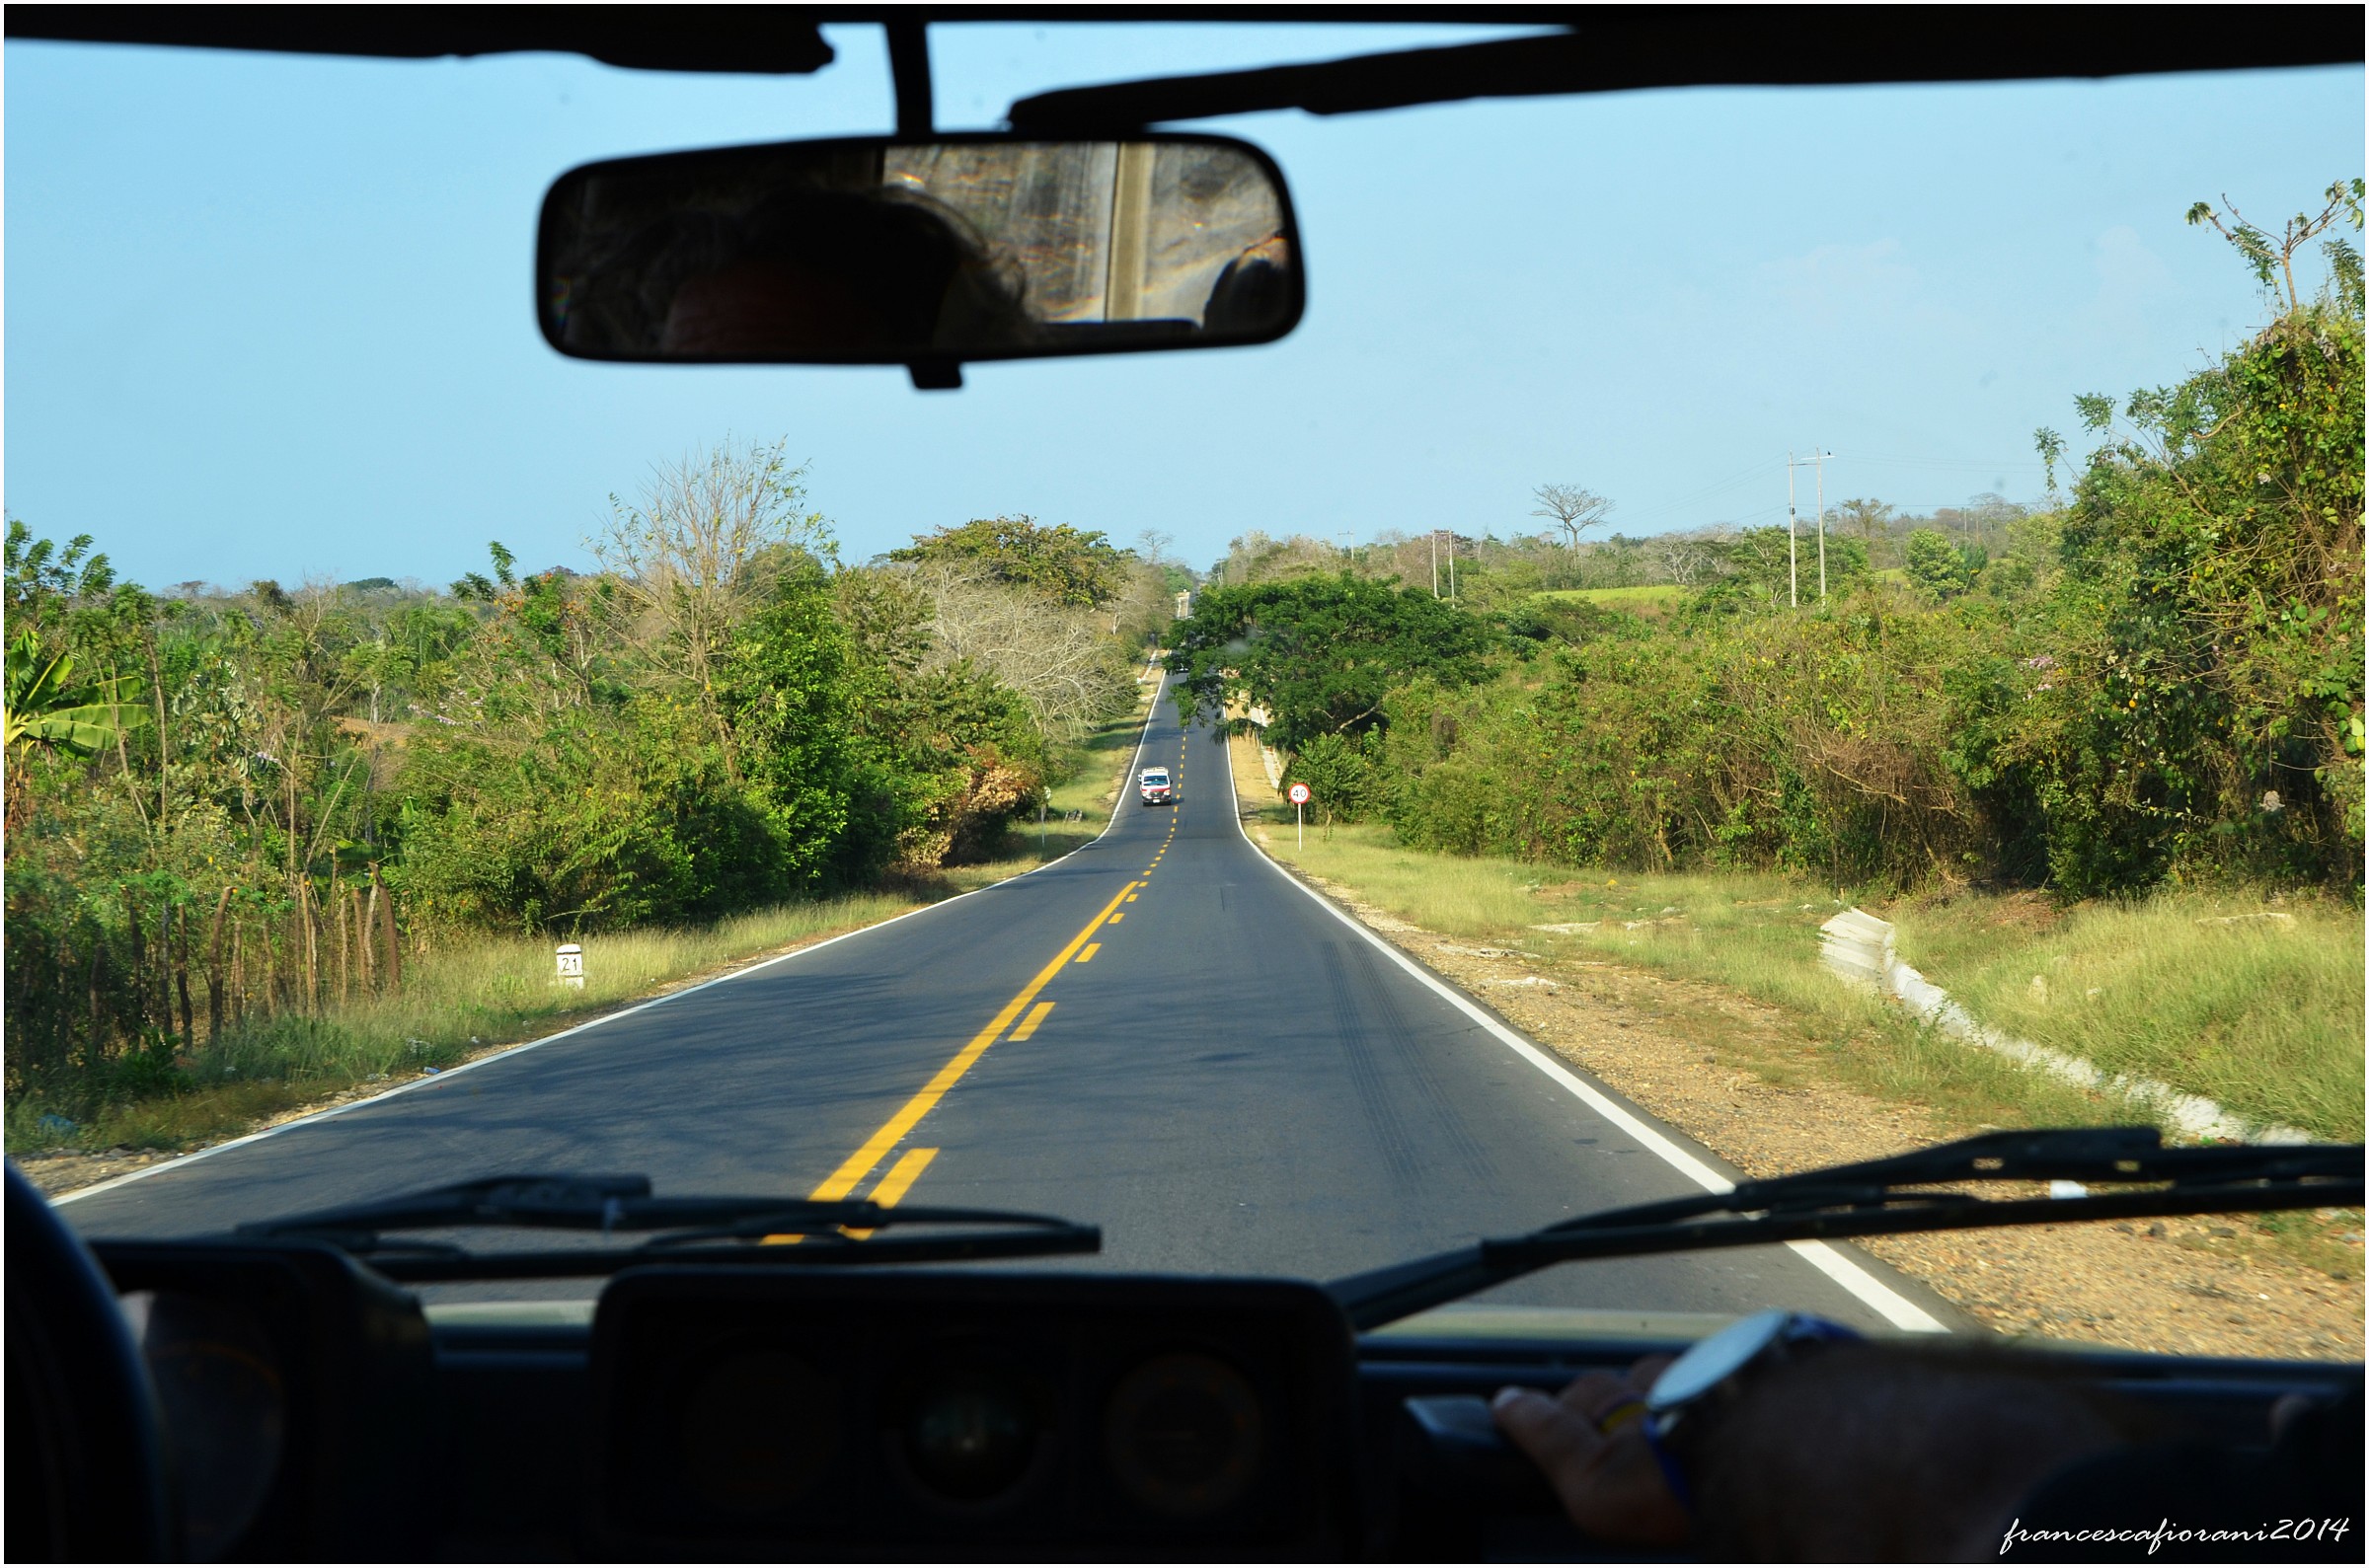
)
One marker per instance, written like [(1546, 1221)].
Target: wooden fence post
[(344, 973), (306, 907), (181, 982), (386, 911), (363, 946), (213, 970)]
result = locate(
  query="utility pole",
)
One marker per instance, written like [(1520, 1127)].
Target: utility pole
[(1434, 562), (1793, 564), (1792, 545), (1451, 569)]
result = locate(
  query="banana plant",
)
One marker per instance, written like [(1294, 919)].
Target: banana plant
[(45, 708)]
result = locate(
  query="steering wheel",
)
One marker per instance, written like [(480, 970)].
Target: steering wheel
[(86, 1453)]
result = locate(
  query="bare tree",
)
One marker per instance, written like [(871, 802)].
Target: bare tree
[(692, 559), (1573, 510), (1683, 558), (1060, 658)]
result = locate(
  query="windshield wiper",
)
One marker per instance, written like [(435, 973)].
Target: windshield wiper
[(677, 1229), (1878, 1197)]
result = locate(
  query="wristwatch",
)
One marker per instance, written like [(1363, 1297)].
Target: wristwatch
[(1708, 1375)]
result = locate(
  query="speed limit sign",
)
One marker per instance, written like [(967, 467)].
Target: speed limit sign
[(1299, 794)]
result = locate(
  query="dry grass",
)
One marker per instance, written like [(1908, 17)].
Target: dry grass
[(1756, 936), (1648, 597), (2265, 1017), (1748, 933), (455, 1001), (2255, 1006)]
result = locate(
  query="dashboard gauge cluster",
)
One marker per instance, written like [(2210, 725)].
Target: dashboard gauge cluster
[(742, 1411), (295, 1392)]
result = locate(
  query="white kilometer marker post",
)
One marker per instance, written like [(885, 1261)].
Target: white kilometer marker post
[(571, 966), (1299, 812)]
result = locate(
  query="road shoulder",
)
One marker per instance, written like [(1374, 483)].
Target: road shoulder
[(1739, 1077)]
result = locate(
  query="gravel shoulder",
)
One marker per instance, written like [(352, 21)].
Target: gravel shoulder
[(1734, 1074)]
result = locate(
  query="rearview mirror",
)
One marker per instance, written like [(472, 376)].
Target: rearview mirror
[(920, 252)]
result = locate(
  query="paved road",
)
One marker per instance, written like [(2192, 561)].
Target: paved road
[(1229, 1078)]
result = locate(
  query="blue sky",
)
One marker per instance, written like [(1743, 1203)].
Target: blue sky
[(270, 315)]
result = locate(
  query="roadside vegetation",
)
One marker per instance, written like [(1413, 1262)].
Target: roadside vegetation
[(455, 1003), (2066, 743), (1755, 935), (264, 844), (255, 835), (2256, 1006)]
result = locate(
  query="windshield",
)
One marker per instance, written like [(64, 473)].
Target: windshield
[(1745, 630)]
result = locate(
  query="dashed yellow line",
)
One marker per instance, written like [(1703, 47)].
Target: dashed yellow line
[(1028, 1025), (901, 1176), (1087, 956), (895, 1185), (1115, 919), (859, 1164)]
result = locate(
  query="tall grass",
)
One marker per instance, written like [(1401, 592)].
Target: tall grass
[(1632, 595), (1743, 931), (2265, 1017), (2261, 1014), (456, 1001)]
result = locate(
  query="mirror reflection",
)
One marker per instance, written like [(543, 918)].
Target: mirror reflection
[(888, 252)]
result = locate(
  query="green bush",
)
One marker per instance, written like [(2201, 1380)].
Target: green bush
[(1342, 784)]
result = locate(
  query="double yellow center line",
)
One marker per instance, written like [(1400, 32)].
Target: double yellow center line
[(860, 1165)]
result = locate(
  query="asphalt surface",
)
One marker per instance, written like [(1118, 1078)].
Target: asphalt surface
[(1231, 1079)]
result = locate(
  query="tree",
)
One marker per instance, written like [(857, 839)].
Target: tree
[(693, 559), (1573, 510), (1871, 518), (1061, 657), (2273, 260), (1320, 653), (1937, 565), (1340, 777), (1259, 557), (1066, 564), (1684, 559), (42, 581), (2211, 607), (46, 711), (793, 711)]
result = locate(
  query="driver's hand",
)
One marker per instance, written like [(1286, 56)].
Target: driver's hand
[(1590, 1440)]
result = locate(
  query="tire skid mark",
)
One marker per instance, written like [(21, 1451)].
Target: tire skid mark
[(1408, 1053), (1373, 1095)]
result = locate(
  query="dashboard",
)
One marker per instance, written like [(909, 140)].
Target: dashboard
[(956, 1413), (314, 1410)]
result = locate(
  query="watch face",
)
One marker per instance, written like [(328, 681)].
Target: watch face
[(1714, 1360)]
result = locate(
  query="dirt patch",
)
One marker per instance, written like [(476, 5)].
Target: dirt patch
[(1740, 1077), (2024, 910)]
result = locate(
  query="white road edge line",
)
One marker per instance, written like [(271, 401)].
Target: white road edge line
[(452, 1073), (1890, 1305)]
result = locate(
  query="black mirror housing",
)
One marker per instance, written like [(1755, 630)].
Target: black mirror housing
[(925, 253)]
